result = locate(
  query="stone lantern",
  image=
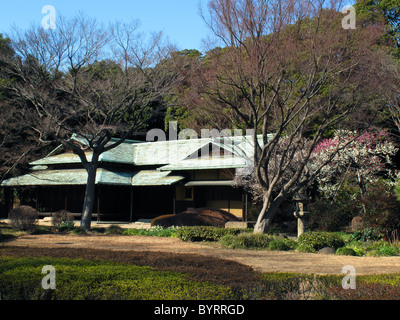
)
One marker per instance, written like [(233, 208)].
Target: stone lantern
[(301, 201)]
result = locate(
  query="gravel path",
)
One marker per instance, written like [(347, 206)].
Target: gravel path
[(264, 261)]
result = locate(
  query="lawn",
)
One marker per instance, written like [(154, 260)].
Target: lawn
[(94, 274), (78, 279), (188, 278)]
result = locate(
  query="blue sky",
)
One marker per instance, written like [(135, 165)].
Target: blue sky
[(178, 19)]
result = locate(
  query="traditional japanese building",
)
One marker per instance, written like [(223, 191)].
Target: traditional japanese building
[(139, 180)]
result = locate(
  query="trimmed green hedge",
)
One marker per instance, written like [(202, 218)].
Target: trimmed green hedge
[(20, 279), (346, 251), (213, 234), (314, 241), (246, 241), (257, 241), (170, 232)]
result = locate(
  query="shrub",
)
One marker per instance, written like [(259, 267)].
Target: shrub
[(23, 218), (257, 241), (318, 240), (282, 244), (66, 226), (387, 279), (373, 253), (202, 233), (373, 248), (328, 216), (382, 208), (290, 286), (305, 247), (368, 234), (114, 230), (246, 241), (366, 291), (79, 231), (388, 250), (345, 251), (279, 285), (156, 231), (358, 248), (60, 217)]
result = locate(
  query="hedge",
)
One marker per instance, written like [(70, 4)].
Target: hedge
[(76, 279), (314, 241), (20, 279), (156, 231), (257, 241), (23, 218), (213, 234)]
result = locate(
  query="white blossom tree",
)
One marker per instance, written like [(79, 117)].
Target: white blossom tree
[(364, 159)]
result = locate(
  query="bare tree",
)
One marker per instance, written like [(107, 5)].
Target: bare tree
[(288, 67), (392, 92), (69, 83), (17, 146)]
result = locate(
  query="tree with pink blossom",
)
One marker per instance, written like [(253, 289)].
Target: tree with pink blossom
[(363, 158)]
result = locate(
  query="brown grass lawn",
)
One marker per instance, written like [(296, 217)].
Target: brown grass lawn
[(200, 260)]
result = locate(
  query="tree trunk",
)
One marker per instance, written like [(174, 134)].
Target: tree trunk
[(88, 203), (362, 191), (266, 216)]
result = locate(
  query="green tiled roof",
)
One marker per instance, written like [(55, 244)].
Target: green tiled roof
[(121, 154), (106, 177), (64, 158), (165, 157), (203, 164), (156, 153), (165, 152), (155, 178)]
